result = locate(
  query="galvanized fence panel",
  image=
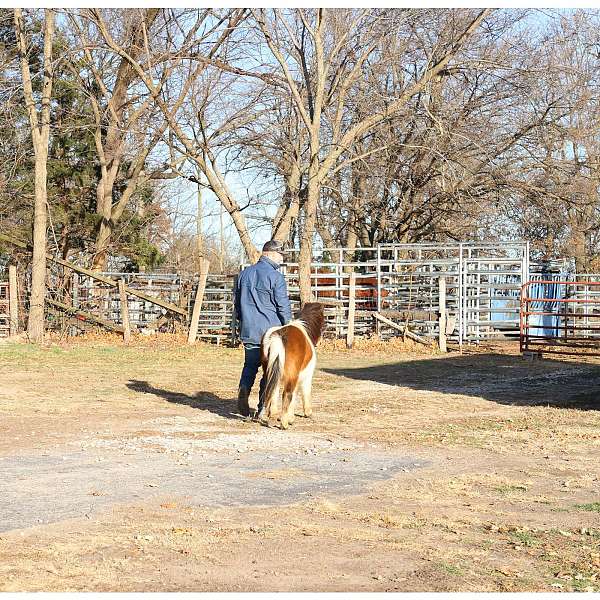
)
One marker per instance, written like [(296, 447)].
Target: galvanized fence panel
[(483, 282), (401, 281)]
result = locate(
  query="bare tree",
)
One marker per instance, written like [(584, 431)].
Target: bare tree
[(39, 120), (555, 202), (325, 68), (443, 166), (127, 126), (205, 159), (272, 144)]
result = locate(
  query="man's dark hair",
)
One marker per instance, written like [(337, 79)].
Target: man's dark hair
[(273, 246)]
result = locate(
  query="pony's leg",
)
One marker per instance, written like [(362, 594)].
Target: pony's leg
[(269, 415), (305, 387), (275, 411), (292, 409), (287, 407)]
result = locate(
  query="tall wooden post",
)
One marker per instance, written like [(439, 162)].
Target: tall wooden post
[(193, 332), (351, 310), (75, 290), (442, 318), (124, 312), (13, 300)]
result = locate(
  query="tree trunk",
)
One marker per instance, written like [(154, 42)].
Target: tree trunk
[(40, 133), (35, 323), (578, 246), (306, 241), (111, 144), (324, 233), (314, 181), (288, 210), (359, 190), (99, 263)]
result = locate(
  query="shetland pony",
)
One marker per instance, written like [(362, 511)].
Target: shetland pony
[(288, 359)]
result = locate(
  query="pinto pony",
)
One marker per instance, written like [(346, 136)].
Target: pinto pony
[(288, 358)]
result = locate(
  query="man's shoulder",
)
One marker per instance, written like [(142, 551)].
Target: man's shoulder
[(249, 270), (261, 270), (258, 270)]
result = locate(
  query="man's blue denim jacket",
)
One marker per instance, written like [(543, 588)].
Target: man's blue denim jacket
[(261, 300)]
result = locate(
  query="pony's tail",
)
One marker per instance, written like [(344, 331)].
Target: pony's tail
[(274, 352)]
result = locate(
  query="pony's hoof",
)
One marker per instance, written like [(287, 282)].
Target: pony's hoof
[(260, 417)]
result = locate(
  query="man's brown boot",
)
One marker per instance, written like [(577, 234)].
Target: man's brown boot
[(243, 395)]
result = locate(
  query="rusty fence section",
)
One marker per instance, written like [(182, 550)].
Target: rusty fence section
[(560, 317)]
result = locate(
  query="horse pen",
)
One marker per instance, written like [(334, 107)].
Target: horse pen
[(124, 466)]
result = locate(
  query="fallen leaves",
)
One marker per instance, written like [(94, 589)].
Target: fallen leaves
[(510, 573), (564, 533)]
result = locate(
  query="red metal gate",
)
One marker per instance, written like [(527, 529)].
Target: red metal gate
[(560, 317)]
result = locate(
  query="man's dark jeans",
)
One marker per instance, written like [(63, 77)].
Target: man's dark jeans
[(251, 367)]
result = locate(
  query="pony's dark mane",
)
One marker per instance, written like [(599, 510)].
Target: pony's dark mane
[(312, 316)]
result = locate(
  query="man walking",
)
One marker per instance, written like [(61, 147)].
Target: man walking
[(261, 302)]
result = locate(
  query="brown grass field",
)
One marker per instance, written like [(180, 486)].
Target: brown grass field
[(127, 469)]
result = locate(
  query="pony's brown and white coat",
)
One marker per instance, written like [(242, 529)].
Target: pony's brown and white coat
[(289, 359)]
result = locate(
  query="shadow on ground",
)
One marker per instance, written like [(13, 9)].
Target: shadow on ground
[(504, 379), (202, 400)]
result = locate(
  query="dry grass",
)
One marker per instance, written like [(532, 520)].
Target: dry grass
[(366, 344), (507, 501)]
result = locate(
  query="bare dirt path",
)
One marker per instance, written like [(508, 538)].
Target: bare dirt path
[(127, 469)]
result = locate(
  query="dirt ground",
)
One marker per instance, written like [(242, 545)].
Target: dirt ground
[(127, 469)]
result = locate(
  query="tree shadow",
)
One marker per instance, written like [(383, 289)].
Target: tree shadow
[(505, 379), (224, 407)]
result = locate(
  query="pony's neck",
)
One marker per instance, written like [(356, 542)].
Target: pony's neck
[(313, 321)]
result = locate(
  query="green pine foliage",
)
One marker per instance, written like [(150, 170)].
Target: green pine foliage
[(73, 165)]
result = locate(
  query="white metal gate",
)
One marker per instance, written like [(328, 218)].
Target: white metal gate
[(483, 283)]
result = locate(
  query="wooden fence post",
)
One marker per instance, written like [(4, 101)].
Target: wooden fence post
[(13, 300), (124, 311), (402, 329), (193, 332), (351, 310), (442, 317), (75, 290)]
